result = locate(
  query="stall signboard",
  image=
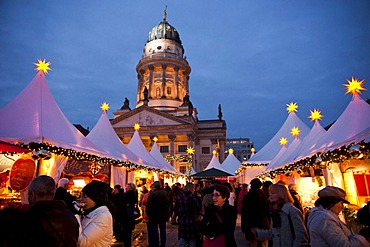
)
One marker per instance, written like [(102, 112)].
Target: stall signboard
[(21, 174)]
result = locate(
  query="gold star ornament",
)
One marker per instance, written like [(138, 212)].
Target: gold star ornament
[(231, 151), (155, 139), (295, 131), (315, 115), (136, 126), (292, 107), (190, 150), (104, 107), (354, 86), (42, 65), (283, 141)]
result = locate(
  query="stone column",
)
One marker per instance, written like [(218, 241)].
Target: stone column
[(151, 68), (177, 82), (172, 148), (164, 67)]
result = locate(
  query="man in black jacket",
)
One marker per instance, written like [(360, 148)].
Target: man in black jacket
[(157, 209), (52, 223)]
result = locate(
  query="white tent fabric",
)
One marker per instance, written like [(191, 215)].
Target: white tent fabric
[(104, 136), (231, 164), (354, 119), (308, 143), (271, 149), (34, 116), (137, 147), (280, 161), (159, 157), (192, 171), (214, 163), (281, 152)]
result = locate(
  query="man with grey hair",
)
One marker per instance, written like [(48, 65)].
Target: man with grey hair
[(61, 193), (53, 224)]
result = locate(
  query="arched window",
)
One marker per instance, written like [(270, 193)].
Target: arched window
[(168, 90), (158, 92)]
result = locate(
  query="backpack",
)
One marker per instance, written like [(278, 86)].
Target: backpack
[(363, 215)]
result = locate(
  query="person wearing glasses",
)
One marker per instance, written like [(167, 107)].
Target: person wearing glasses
[(219, 221)]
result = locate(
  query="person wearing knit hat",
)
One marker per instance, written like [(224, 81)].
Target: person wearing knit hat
[(324, 225), (96, 220)]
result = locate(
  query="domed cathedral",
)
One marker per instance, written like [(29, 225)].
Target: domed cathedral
[(163, 106)]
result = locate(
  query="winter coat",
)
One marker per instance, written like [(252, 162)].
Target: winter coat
[(326, 229), (157, 207), (255, 210), (52, 224), (211, 226), (283, 235), (96, 228)]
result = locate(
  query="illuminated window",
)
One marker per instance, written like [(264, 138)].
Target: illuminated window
[(168, 91), (158, 92), (206, 150), (163, 149), (182, 148), (183, 169)]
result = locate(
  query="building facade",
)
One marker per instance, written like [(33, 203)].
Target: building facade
[(163, 107), (242, 147)]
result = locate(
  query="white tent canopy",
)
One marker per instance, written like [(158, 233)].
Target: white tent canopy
[(137, 147), (271, 149), (214, 163), (159, 157), (231, 164), (34, 116), (354, 120)]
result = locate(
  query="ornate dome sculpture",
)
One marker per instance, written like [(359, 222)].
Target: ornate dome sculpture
[(164, 31)]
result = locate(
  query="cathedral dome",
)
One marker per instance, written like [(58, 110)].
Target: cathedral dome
[(164, 31)]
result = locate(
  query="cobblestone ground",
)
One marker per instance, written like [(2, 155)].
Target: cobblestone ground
[(140, 236)]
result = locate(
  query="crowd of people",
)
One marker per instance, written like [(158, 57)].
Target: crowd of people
[(272, 215)]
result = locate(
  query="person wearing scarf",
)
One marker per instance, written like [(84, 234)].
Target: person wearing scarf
[(287, 225), (96, 219)]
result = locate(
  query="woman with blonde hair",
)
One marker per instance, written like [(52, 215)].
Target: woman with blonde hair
[(287, 225)]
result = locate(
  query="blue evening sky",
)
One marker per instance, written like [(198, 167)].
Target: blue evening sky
[(252, 57)]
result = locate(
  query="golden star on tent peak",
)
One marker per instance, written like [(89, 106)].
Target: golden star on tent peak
[(292, 107), (253, 150), (315, 115), (354, 86), (136, 126), (214, 152), (155, 139), (283, 141), (104, 107), (231, 151), (190, 150), (42, 65), (295, 131)]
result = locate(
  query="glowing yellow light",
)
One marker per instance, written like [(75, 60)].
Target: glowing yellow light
[(315, 115), (42, 66), (295, 131), (291, 107), (155, 139), (283, 141), (354, 86), (104, 107), (136, 126), (190, 150), (214, 152), (231, 151), (253, 150)]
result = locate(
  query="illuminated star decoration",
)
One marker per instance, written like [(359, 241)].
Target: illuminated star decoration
[(291, 107), (315, 115), (214, 152), (104, 107), (253, 150), (231, 151), (42, 66), (354, 86), (155, 139), (190, 150), (295, 131), (283, 141), (136, 126)]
